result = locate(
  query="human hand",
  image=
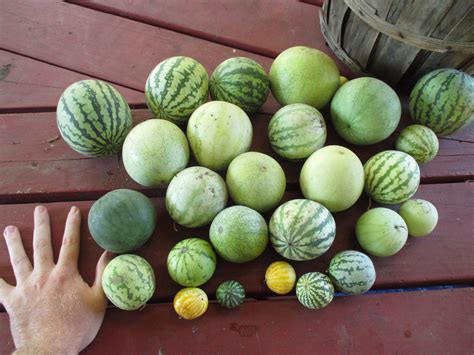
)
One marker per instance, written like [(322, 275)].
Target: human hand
[(51, 308)]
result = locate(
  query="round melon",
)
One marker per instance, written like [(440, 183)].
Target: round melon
[(418, 141), (381, 232), (256, 180), (352, 272), (365, 111), (122, 220), (239, 234), (443, 100), (195, 196), (93, 118), (154, 152), (304, 75), (391, 177), (128, 282), (190, 303), (241, 81), (175, 88), (314, 290), (302, 229), (218, 131), (342, 80), (296, 131), (191, 262), (421, 217), (280, 277), (334, 177), (230, 294)]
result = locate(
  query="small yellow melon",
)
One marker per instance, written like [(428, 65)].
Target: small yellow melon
[(280, 277), (190, 303)]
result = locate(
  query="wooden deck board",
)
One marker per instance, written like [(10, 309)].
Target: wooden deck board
[(30, 85), (431, 322), (444, 257)]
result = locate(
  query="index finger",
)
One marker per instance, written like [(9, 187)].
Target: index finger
[(69, 254)]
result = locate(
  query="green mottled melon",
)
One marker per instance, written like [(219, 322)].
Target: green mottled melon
[(93, 118), (302, 229), (175, 88), (296, 131)]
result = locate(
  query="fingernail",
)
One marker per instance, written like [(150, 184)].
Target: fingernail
[(9, 230), (40, 209), (74, 209)]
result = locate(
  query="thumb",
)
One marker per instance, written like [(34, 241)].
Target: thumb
[(101, 264)]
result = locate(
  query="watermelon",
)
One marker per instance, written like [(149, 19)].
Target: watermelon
[(314, 290), (256, 180), (241, 81), (190, 303), (230, 294), (296, 131), (381, 232), (218, 131), (93, 118), (421, 217), (302, 229), (418, 141), (352, 272), (333, 176), (175, 88), (280, 277), (391, 177), (122, 220), (239, 234), (195, 196), (365, 111), (154, 152), (443, 100), (304, 75), (128, 281), (191, 262)]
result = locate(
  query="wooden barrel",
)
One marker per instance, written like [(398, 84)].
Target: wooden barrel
[(400, 40)]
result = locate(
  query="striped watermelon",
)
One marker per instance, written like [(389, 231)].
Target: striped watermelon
[(195, 196), (443, 100), (314, 290), (352, 272), (190, 303), (230, 294), (391, 177), (191, 262), (128, 281), (302, 229), (175, 88), (296, 131), (418, 141), (93, 118), (241, 81)]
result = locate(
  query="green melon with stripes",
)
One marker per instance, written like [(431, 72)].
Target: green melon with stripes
[(443, 100), (352, 272), (314, 290), (93, 118), (175, 88), (195, 196), (241, 81), (230, 294), (128, 281), (302, 229), (418, 141), (191, 262), (391, 177), (296, 131)]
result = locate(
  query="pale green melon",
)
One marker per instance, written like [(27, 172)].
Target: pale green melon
[(421, 217)]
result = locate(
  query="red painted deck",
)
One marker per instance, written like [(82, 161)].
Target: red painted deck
[(47, 45)]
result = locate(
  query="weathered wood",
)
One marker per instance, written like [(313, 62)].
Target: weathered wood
[(431, 322), (104, 46), (265, 27), (41, 167), (446, 254), (30, 85)]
